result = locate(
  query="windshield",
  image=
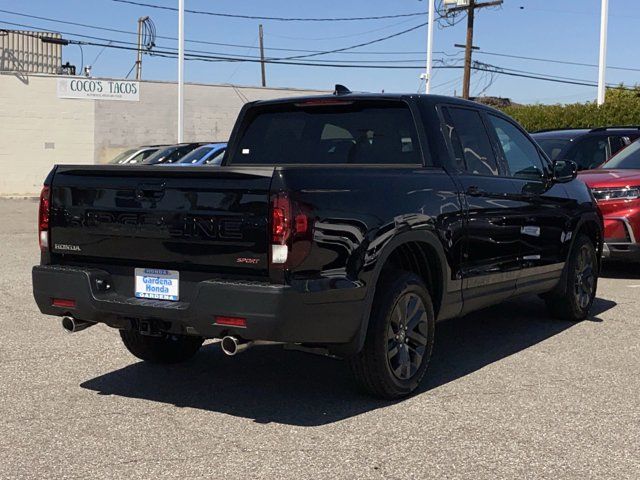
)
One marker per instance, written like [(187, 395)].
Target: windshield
[(196, 155), (123, 156), (628, 158), (319, 132), (553, 146)]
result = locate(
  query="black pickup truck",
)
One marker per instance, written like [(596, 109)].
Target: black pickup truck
[(346, 224)]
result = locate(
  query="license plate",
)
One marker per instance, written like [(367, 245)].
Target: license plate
[(157, 283)]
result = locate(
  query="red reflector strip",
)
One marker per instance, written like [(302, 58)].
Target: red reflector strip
[(63, 302), (231, 321)]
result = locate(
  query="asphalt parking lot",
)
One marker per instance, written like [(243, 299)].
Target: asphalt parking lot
[(510, 394)]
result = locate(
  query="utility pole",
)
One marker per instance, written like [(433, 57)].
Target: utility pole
[(430, 20), (180, 71), (602, 70), (466, 80), (262, 64), (470, 7), (141, 21)]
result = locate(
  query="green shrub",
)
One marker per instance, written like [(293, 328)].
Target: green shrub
[(622, 107)]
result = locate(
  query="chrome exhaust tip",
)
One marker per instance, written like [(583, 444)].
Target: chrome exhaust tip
[(232, 346), (72, 325)]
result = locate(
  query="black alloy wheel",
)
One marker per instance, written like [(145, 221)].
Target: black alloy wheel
[(407, 336)]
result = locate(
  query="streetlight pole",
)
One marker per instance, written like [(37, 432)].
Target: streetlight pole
[(602, 70), (430, 22), (180, 71)]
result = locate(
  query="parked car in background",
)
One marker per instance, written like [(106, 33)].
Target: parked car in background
[(616, 188), (172, 153), (136, 155), (588, 148), (210, 154)]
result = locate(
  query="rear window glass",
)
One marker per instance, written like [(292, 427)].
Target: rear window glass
[(356, 133)]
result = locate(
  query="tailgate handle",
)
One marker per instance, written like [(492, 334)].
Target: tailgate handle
[(152, 190)]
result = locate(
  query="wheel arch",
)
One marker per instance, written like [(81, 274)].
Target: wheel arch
[(590, 225), (419, 252)]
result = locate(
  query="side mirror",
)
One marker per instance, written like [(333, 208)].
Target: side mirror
[(564, 171)]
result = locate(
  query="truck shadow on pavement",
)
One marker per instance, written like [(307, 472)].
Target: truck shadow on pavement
[(620, 270), (268, 384)]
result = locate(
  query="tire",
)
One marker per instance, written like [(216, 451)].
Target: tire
[(399, 338), (163, 350), (581, 283)]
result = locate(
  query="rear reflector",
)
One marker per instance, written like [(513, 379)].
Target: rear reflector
[(231, 321), (63, 302)]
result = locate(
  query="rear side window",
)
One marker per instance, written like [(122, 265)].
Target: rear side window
[(352, 133), (469, 141)]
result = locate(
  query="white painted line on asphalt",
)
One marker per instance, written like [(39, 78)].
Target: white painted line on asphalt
[(633, 286)]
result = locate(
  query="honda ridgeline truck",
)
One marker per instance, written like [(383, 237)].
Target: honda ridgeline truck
[(347, 224)]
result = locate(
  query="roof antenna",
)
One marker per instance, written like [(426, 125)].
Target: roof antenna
[(341, 90)]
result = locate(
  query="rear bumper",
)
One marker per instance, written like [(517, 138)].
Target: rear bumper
[(282, 313)]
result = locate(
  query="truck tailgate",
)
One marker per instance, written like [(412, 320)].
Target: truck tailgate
[(212, 219)]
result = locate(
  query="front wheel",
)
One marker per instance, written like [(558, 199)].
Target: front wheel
[(399, 338), (581, 283), (163, 349)]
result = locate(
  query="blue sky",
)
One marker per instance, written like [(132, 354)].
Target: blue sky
[(565, 30)]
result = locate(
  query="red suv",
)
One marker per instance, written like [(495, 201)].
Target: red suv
[(616, 188)]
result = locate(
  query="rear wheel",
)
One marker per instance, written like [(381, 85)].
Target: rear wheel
[(163, 349), (581, 283), (399, 339)]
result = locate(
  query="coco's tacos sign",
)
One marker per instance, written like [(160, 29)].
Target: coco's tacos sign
[(89, 88)]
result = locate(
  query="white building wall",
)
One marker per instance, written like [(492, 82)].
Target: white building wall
[(38, 130)]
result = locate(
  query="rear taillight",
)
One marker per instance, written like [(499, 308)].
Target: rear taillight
[(290, 231), (280, 219), (43, 218)]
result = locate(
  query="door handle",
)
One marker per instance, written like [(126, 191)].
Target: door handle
[(475, 191)]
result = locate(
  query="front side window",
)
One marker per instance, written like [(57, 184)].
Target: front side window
[(589, 153), (519, 152), (469, 141), (553, 147), (320, 133)]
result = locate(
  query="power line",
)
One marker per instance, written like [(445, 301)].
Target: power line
[(222, 55), (204, 42), (549, 60), (278, 19), (294, 57), (364, 44), (210, 57)]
